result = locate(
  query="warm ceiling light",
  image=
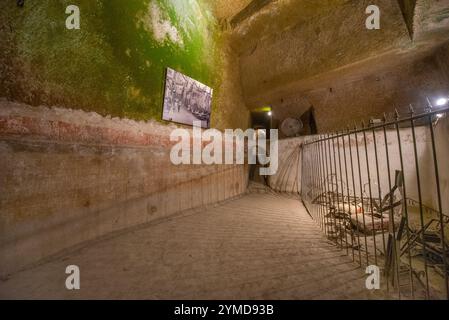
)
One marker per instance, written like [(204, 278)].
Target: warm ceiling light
[(441, 102), (270, 113)]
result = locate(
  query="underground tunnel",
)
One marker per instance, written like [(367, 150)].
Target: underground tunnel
[(224, 150)]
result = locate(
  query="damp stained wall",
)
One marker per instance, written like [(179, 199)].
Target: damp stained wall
[(83, 152), (69, 177), (115, 64)]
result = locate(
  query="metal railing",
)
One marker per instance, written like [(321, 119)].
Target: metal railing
[(368, 191)]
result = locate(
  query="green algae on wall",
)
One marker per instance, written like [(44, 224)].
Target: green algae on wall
[(115, 64)]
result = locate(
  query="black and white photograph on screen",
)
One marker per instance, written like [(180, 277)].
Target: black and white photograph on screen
[(186, 100)]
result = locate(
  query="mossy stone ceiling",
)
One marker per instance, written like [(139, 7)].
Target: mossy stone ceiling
[(115, 63)]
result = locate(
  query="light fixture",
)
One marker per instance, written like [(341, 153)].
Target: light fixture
[(270, 113), (441, 102)]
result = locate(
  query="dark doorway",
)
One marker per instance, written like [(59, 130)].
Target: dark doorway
[(261, 121)]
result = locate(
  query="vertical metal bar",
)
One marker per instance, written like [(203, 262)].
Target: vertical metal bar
[(391, 220), (348, 197), (322, 186), (326, 191), (303, 147), (404, 189), (338, 193), (332, 186), (307, 168), (313, 177), (306, 173), (326, 186), (319, 190), (355, 199), (309, 190), (361, 197), (421, 213), (380, 197), (370, 194), (316, 183), (342, 195), (440, 205)]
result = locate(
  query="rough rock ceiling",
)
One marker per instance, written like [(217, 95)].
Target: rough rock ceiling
[(226, 9), (431, 20), (278, 17), (288, 45), (408, 11)]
